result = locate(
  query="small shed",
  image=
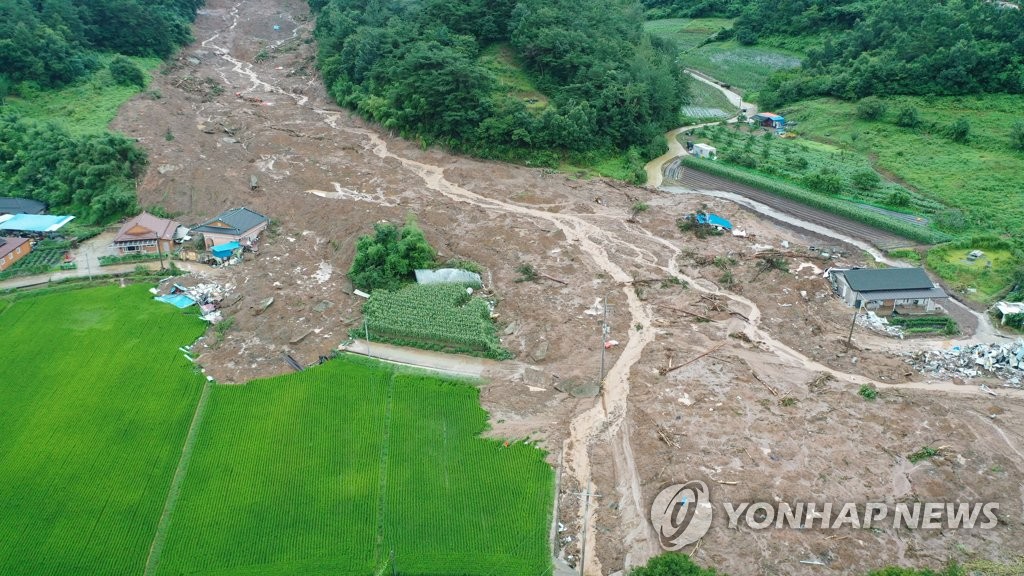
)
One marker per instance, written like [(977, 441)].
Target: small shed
[(224, 251), (21, 206), (769, 120), (1008, 309), (705, 151)]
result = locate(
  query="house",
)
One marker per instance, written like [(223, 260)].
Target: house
[(13, 249), (769, 120), (146, 234), (704, 151), (240, 225), (713, 220), (21, 206), (883, 289)]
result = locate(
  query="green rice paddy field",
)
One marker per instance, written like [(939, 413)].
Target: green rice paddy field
[(333, 470)]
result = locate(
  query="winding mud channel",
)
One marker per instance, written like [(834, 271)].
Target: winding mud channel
[(604, 421)]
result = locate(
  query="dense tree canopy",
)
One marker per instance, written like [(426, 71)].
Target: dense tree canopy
[(52, 42), (92, 176), (876, 47), (389, 258), (415, 68)]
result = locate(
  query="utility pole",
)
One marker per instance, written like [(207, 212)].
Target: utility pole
[(604, 338), (159, 254), (366, 330), (852, 324), (586, 517)]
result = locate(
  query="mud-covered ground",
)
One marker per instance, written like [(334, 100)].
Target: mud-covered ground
[(753, 417)]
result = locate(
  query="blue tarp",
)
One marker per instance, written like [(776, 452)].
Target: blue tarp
[(225, 250), (33, 222), (179, 300), (714, 220)]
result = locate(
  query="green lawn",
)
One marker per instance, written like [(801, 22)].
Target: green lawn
[(331, 470), (87, 106), (687, 32), (96, 402)]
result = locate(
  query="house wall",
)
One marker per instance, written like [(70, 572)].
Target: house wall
[(18, 253), (166, 246), (247, 239)]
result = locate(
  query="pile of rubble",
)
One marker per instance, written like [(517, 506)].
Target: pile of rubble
[(877, 323), (208, 296), (1005, 361)]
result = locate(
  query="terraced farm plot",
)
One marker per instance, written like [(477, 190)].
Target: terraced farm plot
[(96, 403), (331, 470), (436, 317)]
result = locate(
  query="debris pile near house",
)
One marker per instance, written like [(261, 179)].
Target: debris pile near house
[(1005, 361), (874, 322), (208, 296)]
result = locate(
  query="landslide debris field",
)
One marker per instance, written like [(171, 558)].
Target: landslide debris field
[(766, 409)]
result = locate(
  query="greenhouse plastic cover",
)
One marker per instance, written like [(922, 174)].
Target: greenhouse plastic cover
[(447, 276)]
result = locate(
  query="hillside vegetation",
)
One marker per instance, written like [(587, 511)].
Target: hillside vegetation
[(65, 68), (527, 80)]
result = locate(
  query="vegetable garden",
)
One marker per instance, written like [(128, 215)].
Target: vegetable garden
[(436, 317), (334, 469)]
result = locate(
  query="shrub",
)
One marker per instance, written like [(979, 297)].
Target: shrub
[(870, 108), (1017, 135), (908, 117), (959, 131), (126, 73), (867, 392), (825, 180), (866, 180)]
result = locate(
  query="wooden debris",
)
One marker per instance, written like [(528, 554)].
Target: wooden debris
[(552, 278), (726, 482), (714, 348), (687, 312), (765, 384)]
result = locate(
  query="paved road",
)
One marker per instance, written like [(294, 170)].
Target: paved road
[(697, 180)]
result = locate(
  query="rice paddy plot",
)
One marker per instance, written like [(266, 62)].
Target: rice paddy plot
[(701, 113), (97, 401), (334, 469)]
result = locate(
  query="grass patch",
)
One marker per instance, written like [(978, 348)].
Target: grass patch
[(924, 453), (688, 33), (907, 254), (346, 462), (984, 279), (930, 324), (86, 107), (514, 81), (97, 402), (706, 96)]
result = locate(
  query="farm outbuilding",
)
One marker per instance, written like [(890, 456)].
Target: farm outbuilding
[(33, 224), (21, 206), (240, 225), (12, 250), (769, 120), (886, 289), (704, 151)]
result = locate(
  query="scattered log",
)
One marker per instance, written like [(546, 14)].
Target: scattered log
[(552, 278), (687, 312), (692, 360)]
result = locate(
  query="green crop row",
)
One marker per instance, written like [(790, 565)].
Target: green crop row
[(435, 317), (351, 467), (92, 433), (834, 206)]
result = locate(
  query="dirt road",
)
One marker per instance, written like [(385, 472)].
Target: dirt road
[(325, 176)]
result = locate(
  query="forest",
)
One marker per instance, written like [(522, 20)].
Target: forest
[(49, 44), (859, 48), (602, 83)]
